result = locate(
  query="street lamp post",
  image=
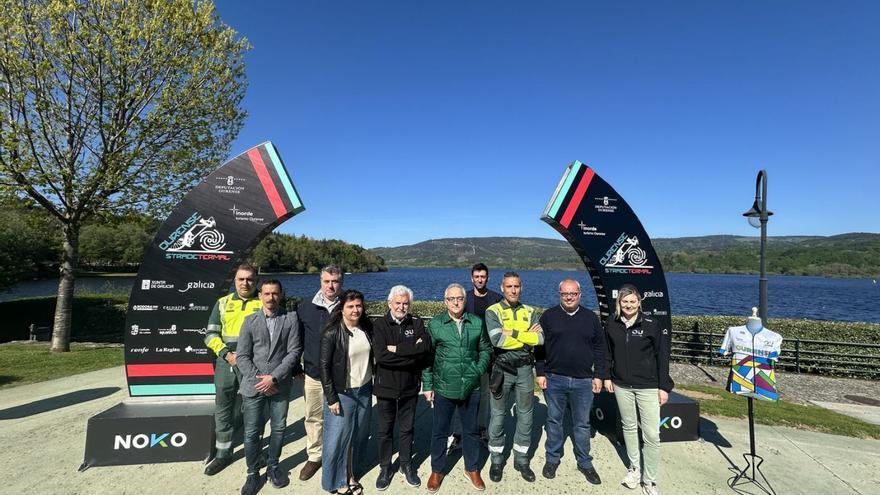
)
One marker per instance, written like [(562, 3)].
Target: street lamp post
[(757, 216)]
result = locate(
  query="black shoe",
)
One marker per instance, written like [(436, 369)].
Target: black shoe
[(216, 465), (412, 477), (591, 475), (278, 477), (251, 485), (495, 472), (549, 470), (526, 472), (384, 479)]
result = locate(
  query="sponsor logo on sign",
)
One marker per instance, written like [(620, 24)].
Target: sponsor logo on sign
[(140, 350), (196, 350), (657, 312), (196, 239), (147, 284), (145, 307), (167, 350), (229, 184), (652, 293), (198, 284), (168, 331), (590, 230), (625, 256), (246, 216), (605, 204), (174, 308), (671, 421), (145, 441), (197, 307), (202, 330), (137, 330)]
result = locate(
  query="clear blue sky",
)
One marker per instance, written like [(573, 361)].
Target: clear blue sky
[(405, 121)]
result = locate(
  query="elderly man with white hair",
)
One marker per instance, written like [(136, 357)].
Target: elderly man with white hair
[(403, 349)]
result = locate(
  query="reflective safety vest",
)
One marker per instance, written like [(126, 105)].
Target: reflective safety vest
[(226, 321), (519, 320)]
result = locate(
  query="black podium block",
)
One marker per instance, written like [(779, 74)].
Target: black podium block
[(679, 418), (150, 432)]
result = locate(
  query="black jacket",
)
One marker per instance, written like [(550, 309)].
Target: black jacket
[(638, 356), (398, 374), (334, 359), (312, 319)]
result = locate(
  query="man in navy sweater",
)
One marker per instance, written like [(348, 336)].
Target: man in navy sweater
[(570, 367), (312, 316)]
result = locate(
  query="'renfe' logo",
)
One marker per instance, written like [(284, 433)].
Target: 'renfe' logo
[(144, 441)]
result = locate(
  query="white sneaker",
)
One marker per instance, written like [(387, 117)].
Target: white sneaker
[(632, 479), (650, 490)]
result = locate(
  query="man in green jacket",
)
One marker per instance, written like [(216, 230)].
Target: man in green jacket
[(461, 356)]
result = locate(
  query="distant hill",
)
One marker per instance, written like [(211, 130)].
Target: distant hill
[(845, 255)]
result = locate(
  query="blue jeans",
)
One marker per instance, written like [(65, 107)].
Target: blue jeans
[(561, 392), (467, 411), (254, 422), (349, 430)]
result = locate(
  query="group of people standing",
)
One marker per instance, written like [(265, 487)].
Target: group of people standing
[(485, 349)]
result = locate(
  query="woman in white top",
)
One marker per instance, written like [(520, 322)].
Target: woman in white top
[(347, 379)]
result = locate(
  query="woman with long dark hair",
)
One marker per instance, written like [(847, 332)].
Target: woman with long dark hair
[(347, 380), (638, 357)]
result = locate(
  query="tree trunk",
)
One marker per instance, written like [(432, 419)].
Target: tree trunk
[(64, 301)]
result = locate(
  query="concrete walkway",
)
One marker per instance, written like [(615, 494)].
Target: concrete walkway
[(42, 430)]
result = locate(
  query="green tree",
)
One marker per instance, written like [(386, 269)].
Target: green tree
[(111, 106)]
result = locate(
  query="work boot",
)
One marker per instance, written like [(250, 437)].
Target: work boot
[(549, 470), (495, 472), (217, 464), (526, 472)]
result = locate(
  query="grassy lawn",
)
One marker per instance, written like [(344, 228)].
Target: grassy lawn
[(782, 413), (29, 363)]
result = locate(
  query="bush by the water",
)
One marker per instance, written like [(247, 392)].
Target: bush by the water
[(96, 318)]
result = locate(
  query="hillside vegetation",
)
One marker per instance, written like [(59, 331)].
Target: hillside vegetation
[(845, 255)]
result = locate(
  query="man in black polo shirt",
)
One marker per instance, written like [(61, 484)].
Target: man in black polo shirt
[(481, 297), (570, 367)]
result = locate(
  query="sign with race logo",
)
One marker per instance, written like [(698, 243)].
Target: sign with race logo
[(610, 240), (190, 264)]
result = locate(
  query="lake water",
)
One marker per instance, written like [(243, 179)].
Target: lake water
[(815, 298)]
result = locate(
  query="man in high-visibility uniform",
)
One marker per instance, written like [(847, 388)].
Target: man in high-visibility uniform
[(513, 331), (221, 337)]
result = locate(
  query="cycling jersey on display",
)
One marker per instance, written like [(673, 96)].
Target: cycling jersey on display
[(752, 359)]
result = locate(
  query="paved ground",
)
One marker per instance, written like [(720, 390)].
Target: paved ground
[(42, 430)]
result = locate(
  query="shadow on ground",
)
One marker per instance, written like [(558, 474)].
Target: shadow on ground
[(57, 402)]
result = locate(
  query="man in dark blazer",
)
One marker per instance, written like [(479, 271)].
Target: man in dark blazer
[(268, 355)]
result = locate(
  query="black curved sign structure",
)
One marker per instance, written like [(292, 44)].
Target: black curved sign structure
[(190, 264), (610, 240)]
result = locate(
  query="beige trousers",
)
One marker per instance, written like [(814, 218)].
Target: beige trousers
[(314, 417)]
